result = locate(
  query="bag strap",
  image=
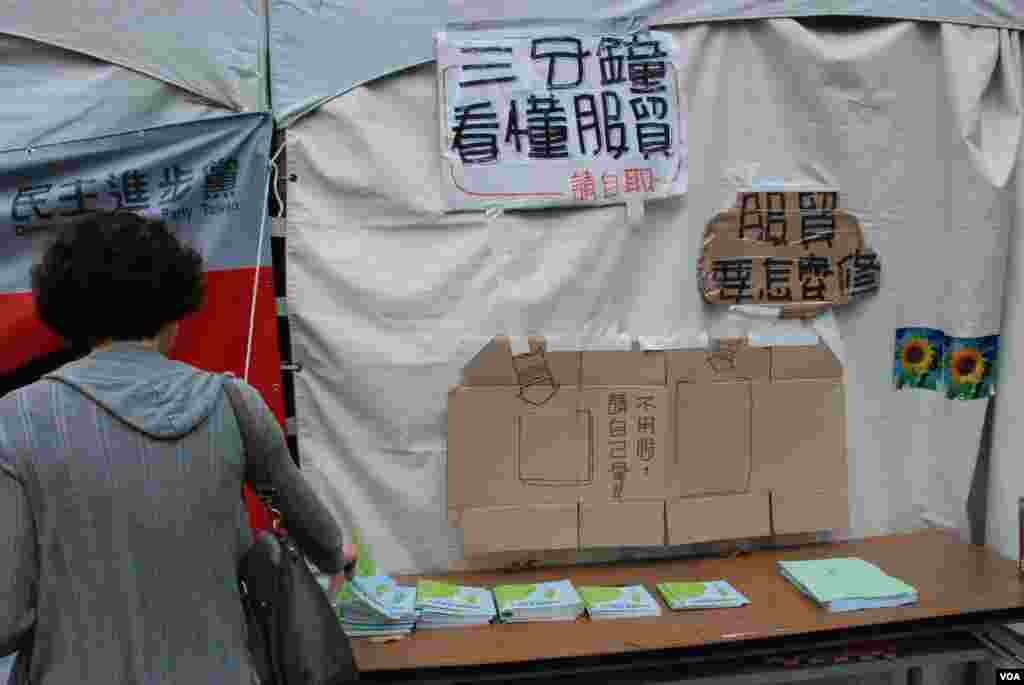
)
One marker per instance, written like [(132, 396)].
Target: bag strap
[(237, 404)]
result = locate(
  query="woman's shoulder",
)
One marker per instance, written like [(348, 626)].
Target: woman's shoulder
[(26, 409), (29, 393)]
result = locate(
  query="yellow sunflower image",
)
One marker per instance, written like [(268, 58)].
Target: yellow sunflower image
[(967, 366), (917, 357)]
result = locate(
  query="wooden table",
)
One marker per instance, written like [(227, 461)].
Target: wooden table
[(961, 588)]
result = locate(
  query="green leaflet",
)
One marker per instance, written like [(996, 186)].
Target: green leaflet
[(598, 595), (431, 589), (506, 594)]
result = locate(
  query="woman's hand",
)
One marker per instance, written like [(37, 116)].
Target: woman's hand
[(351, 555)]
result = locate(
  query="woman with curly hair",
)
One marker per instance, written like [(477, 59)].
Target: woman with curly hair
[(122, 522)]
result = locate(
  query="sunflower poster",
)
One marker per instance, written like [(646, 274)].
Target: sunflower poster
[(963, 368), (970, 367), (919, 355)]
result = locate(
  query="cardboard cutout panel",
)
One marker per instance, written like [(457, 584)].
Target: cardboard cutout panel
[(642, 448)]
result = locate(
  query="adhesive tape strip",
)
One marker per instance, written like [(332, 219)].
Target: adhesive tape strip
[(520, 344), (757, 310), (783, 339), (634, 212)]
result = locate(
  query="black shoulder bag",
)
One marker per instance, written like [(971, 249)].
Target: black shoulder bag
[(294, 635)]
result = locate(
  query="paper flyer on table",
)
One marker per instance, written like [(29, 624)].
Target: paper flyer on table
[(619, 602), (701, 595)]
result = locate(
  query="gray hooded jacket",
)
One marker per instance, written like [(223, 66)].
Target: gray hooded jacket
[(122, 521)]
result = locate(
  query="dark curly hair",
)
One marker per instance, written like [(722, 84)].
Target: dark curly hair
[(116, 275)]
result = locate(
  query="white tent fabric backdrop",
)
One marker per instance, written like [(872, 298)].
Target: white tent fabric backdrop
[(917, 124), (1006, 480), (62, 95), (215, 49), (219, 49), (322, 48)]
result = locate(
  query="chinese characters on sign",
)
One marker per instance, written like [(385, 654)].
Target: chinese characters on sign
[(631, 438), (173, 192), (535, 120), (788, 249), (857, 274), (207, 180)]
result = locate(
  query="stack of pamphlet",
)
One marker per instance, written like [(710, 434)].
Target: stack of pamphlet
[(442, 605), (371, 606), (619, 602), (715, 594), (551, 601), (847, 584)]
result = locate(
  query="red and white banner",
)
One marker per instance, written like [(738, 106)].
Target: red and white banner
[(208, 181)]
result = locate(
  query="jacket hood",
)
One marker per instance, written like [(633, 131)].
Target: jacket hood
[(160, 397)]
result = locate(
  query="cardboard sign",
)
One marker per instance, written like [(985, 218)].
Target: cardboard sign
[(542, 116), (794, 250), (645, 448)]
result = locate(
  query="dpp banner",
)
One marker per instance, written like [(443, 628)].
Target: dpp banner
[(207, 180)]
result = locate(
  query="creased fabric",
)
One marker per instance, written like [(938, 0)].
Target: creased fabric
[(389, 297), (55, 95), (323, 48), (214, 50)]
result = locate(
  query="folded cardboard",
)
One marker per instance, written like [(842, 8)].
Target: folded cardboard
[(624, 523), (795, 511), (795, 250), (506, 529), (645, 448), (723, 517)]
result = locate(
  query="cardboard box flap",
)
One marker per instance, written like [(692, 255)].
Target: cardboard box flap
[(728, 360), (495, 365), (817, 361), (555, 447), (623, 524), (712, 438), (504, 451), (799, 510), (727, 517), (799, 435), (487, 530), (623, 368)]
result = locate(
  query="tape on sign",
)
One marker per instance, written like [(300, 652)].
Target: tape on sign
[(520, 344), (634, 212), (759, 311), (783, 339)]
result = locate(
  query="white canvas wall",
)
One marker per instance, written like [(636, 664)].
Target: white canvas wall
[(322, 48), (1006, 483), (917, 124)]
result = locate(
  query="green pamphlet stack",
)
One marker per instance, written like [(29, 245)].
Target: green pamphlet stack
[(442, 605), (376, 606), (631, 601), (847, 584), (551, 601), (715, 594)]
